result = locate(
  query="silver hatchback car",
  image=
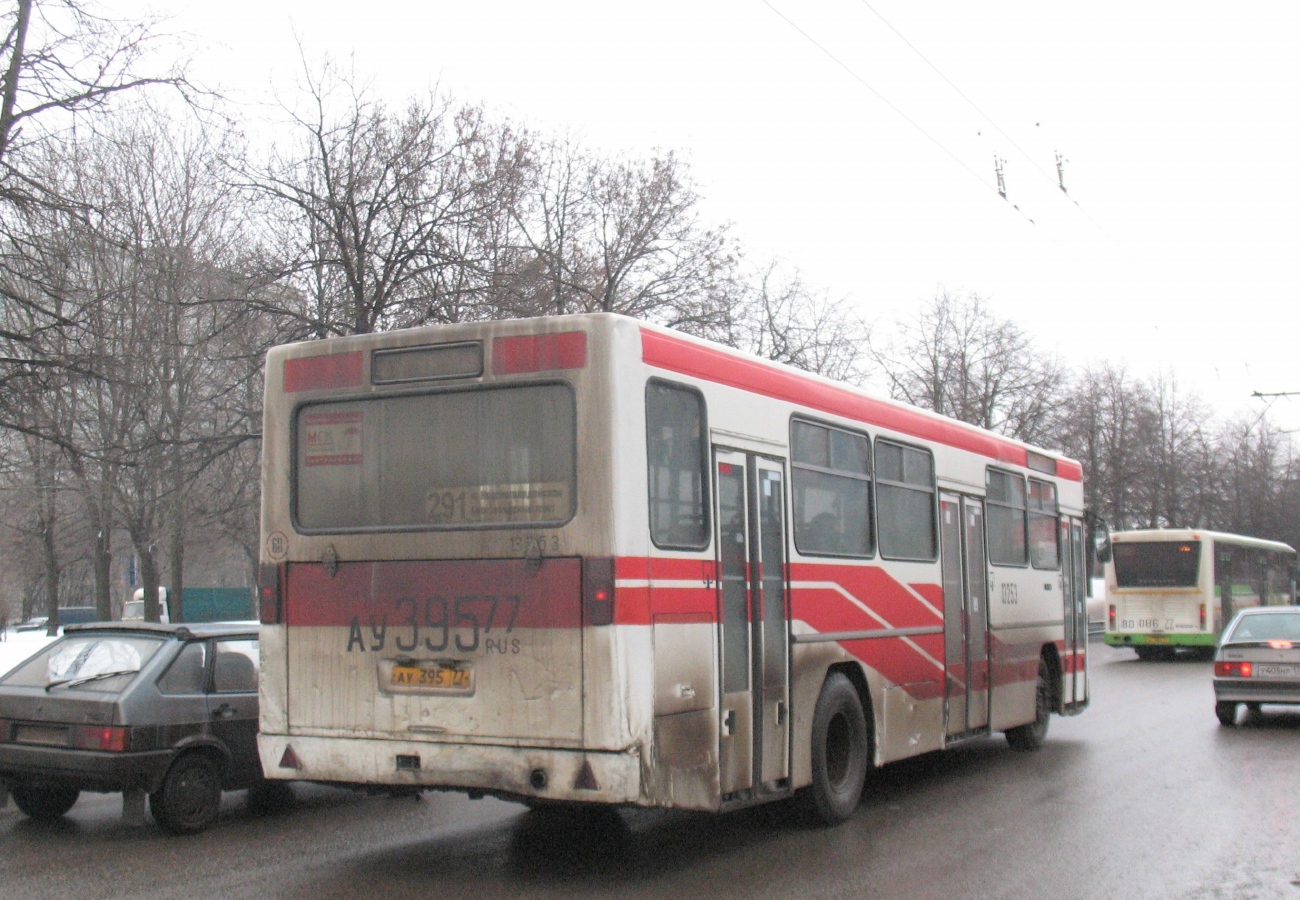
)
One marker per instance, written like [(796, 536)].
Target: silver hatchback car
[(1257, 661)]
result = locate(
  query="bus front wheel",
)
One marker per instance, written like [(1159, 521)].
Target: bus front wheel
[(840, 751)]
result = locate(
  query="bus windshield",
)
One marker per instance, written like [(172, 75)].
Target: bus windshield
[(1157, 564), (477, 458)]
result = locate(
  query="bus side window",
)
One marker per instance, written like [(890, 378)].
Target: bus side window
[(831, 478), (905, 501), (677, 459), (1044, 553), (1005, 518)]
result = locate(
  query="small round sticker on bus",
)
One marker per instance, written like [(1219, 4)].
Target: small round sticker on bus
[(277, 545)]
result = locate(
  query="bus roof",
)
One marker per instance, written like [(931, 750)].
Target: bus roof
[(1198, 534), (689, 355), (696, 357)]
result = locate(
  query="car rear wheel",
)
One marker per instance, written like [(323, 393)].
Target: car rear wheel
[(1227, 713), (840, 752), (44, 802), (190, 796)]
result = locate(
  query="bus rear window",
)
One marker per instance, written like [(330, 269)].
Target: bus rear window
[(1151, 564), (488, 457)]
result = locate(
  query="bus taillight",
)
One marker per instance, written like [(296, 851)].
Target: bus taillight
[(1110, 615), (1202, 617), (598, 590), (268, 593)]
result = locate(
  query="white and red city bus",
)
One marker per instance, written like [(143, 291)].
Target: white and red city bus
[(589, 559)]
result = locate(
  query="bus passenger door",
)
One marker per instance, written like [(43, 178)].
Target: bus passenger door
[(965, 613), (771, 631), (1074, 583), (753, 622), (977, 615)]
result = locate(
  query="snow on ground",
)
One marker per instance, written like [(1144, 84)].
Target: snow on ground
[(18, 645)]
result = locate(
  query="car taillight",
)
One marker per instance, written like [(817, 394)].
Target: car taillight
[(101, 737), (1229, 669), (268, 593), (598, 591), (1110, 617), (1281, 645)]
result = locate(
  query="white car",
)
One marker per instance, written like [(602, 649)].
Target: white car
[(1257, 661)]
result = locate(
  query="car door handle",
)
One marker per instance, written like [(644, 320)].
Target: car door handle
[(224, 711)]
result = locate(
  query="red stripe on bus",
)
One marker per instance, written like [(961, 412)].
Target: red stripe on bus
[(902, 665), (676, 355), (1012, 663), (495, 594), (871, 586), (931, 592), (670, 568), (332, 370), (539, 352), (688, 600)]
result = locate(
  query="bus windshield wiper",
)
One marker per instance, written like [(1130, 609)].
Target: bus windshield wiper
[(73, 682)]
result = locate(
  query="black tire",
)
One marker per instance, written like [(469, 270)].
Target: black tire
[(44, 802), (267, 797), (840, 753), (190, 796), (1227, 713), (1032, 735)]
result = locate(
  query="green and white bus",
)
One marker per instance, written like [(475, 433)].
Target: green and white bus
[(1176, 587)]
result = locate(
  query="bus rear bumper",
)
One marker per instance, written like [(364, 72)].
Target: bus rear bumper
[(1161, 640), (537, 774)]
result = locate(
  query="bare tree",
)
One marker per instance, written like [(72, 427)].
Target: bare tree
[(779, 318), (147, 255), (365, 206), (59, 61), (955, 357)]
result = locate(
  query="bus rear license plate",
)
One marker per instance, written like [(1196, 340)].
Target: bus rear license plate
[(433, 679), (1157, 639), (1269, 670)]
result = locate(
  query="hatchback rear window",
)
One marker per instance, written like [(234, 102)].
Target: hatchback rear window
[(88, 662), (1267, 627)]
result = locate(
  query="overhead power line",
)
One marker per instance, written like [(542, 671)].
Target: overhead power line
[(1060, 160), (904, 116)]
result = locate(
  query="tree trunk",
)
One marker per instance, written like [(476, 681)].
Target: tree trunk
[(176, 564), (149, 580), (50, 551)]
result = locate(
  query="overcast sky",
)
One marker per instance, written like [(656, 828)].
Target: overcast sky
[(856, 141)]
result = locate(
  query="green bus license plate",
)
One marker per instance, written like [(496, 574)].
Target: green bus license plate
[(433, 678), (1274, 670)]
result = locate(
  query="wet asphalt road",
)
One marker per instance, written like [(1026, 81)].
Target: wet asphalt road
[(1144, 795)]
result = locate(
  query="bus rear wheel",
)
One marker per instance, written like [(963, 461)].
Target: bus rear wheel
[(840, 752), (1032, 735)]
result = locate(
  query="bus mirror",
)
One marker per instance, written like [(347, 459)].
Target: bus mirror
[(1101, 540)]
